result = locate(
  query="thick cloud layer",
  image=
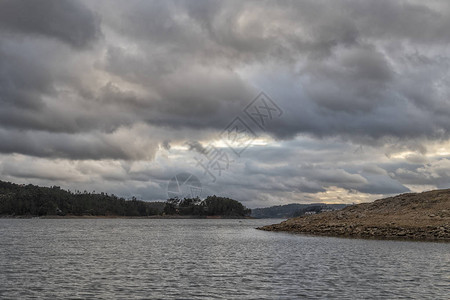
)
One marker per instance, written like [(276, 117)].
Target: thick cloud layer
[(65, 20), (126, 83)]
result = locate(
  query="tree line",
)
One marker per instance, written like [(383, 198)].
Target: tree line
[(32, 200)]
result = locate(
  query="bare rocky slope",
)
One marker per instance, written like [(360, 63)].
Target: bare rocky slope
[(418, 216)]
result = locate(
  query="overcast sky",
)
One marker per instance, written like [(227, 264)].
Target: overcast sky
[(121, 96)]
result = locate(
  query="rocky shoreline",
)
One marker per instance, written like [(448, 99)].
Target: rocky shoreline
[(424, 216), (376, 231)]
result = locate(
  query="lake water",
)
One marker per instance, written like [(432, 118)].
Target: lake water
[(204, 259)]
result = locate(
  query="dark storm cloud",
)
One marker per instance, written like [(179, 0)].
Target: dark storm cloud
[(139, 74), (354, 78), (68, 21), (356, 81)]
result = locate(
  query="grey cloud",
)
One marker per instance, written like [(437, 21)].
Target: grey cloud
[(23, 78), (417, 22), (382, 184), (435, 173), (68, 21), (45, 174), (304, 178), (196, 146), (373, 169), (356, 81), (92, 146), (166, 145)]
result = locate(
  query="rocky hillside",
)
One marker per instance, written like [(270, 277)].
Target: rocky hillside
[(421, 216)]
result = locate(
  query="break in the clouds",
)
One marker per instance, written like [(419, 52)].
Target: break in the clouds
[(121, 96)]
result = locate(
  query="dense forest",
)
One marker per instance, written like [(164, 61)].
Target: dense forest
[(31, 200), (211, 206), (40, 201)]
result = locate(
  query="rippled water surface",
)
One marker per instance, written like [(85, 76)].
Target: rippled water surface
[(204, 259)]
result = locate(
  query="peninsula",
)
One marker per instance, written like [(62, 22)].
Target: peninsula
[(415, 216)]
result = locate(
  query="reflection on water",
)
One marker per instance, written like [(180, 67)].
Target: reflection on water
[(202, 259)]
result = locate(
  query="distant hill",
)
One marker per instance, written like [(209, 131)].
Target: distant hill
[(293, 210), (409, 216)]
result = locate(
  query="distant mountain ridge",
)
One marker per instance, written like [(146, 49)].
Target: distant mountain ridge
[(293, 210)]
